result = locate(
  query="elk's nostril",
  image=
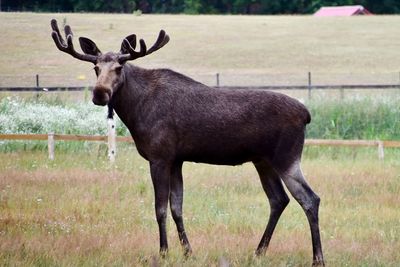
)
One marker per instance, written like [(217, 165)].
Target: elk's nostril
[(101, 96)]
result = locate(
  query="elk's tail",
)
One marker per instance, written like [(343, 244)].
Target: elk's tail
[(308, 117)]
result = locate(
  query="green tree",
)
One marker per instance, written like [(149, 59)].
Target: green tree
[(197, 6), (193, 7), (125, 6)]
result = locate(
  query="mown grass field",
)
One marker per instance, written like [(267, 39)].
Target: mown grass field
[(80, 211), (246, 50)]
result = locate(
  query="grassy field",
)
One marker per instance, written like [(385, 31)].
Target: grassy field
[(246, 50), (80, 211)]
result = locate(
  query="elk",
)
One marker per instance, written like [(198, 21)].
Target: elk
[(174, 119)]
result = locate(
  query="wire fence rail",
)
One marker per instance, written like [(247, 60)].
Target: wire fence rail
[(304, 85), (225, 80), (306, 88), (263, 87), (111, 140)]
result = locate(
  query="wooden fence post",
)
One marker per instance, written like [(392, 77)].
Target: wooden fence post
[(111, 140), (309, 85), (50, 145), (381, 151), (217, 75)]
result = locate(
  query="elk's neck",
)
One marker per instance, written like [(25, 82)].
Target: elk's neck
[(127, 100)]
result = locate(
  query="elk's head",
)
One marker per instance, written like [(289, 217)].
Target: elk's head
[(108, 66)]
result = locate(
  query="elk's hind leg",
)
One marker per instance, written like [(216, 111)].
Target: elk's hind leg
[(278, 200), (176, 200), (309, 201)]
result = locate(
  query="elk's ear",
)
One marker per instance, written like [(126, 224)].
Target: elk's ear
[(131, 40), (88, 46)]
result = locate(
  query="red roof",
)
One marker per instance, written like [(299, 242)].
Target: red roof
[(341, 11)]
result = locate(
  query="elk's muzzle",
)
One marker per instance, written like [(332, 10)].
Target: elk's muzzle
[(101, 96)]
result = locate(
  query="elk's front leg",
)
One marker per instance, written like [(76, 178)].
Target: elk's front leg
[(160, 175)]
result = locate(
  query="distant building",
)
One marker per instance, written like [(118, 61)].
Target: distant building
[(345, 11)]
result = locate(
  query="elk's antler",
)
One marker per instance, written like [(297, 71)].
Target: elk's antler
[(68, 46), (129, 44)]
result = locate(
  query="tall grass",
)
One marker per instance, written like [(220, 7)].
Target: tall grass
[(18, 115), (362, 118), (35, 116)]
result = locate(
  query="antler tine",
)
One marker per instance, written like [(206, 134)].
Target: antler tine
[(129, 43), (162, 40), (143, 48), (58, 41), (56, 31), (68, 46), (132, 53), (134, 42), (131, 40), (68, 36)]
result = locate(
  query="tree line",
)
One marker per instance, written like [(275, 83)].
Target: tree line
[(195, 6)]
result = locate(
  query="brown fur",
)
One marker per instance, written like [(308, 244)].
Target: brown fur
[(173, 119)]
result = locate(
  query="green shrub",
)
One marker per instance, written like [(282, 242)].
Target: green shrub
[(347, 119), (20, 116), (355, 119)]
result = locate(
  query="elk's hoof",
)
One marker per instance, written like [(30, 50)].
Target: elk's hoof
[(163, 253), (260, 252), (187, 252), (318, 263)]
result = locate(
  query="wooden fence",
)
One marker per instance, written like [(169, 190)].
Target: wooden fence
[(111, 140)]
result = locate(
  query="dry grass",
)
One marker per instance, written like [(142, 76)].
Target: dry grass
[(78, 210), (245, 49)]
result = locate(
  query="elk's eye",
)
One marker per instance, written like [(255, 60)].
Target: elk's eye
[(97, 70), (118, 69)]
